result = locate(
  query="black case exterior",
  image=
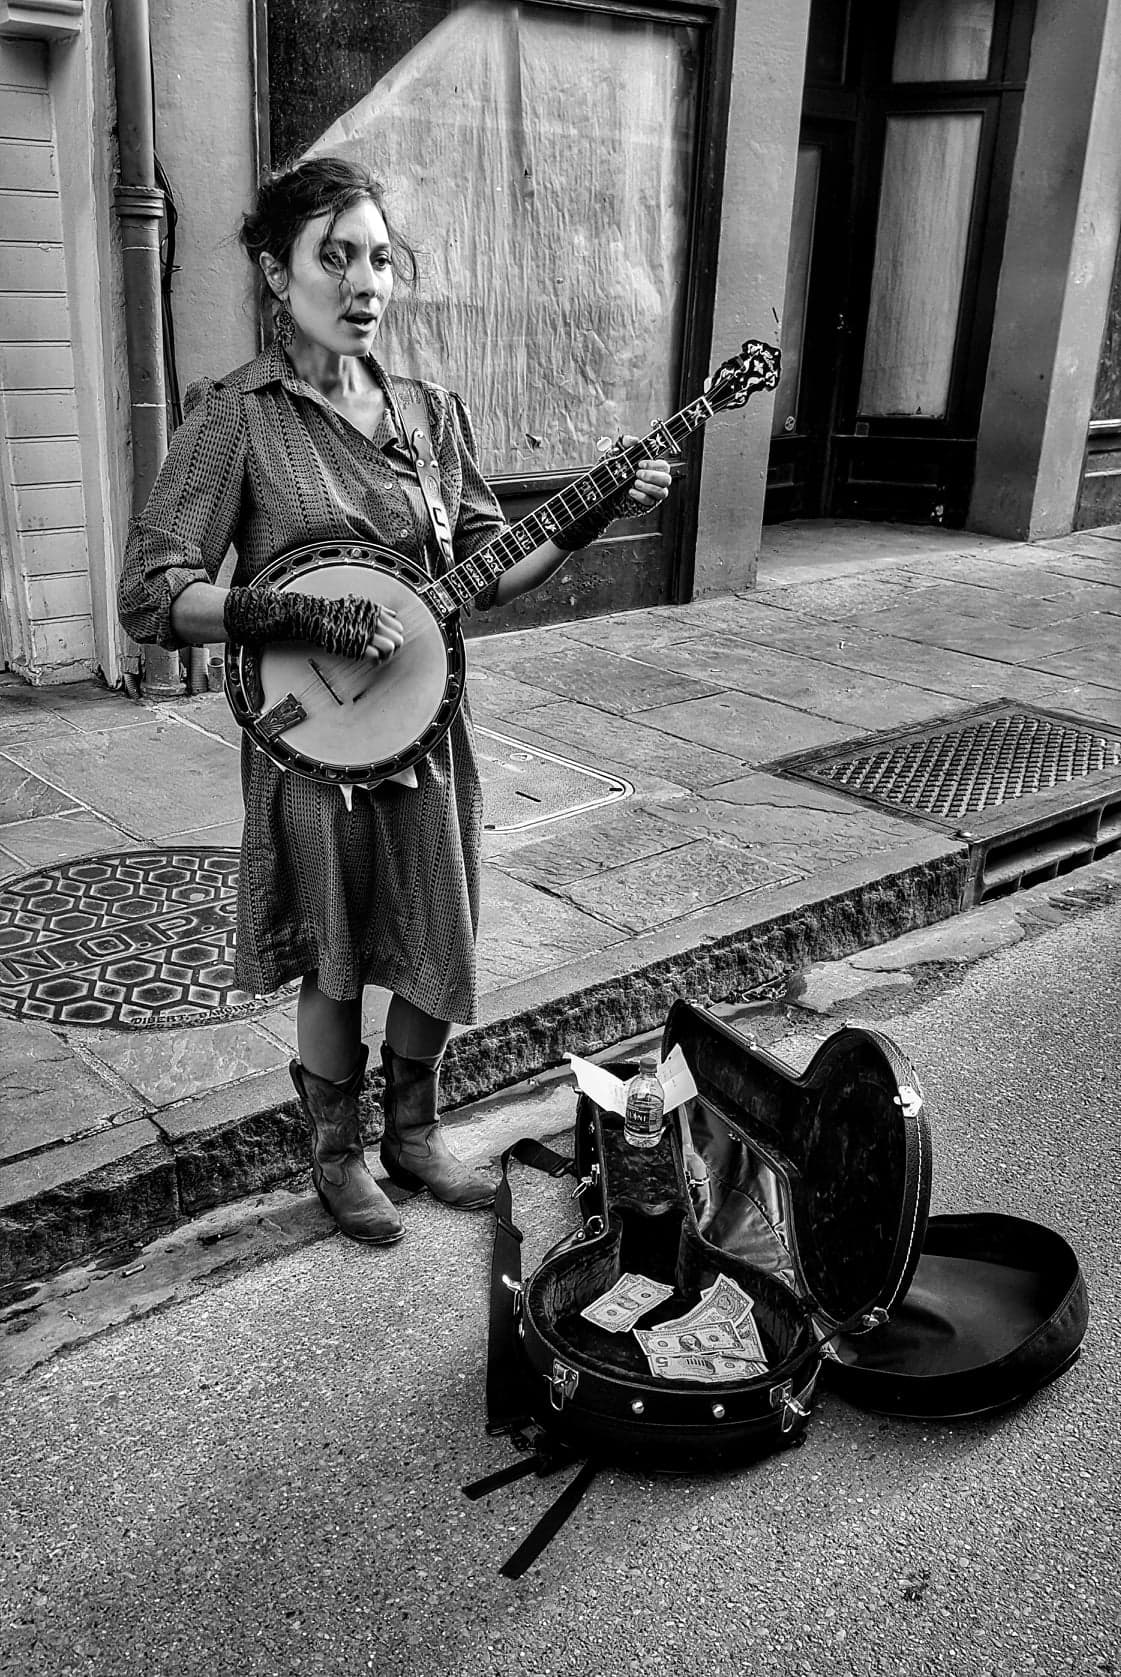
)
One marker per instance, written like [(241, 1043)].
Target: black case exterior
[(981, 1309), (910, 1315), (600, 1399), (997, 1308)]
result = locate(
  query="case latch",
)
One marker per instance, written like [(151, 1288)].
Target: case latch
[(562, 1384), (586, 1182), (519, 1295), (793, 1408)]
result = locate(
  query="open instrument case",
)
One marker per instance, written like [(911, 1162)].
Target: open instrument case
[(812, 1193)]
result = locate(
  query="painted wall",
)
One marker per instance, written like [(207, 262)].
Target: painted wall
[(1053, 298), (45, 563), (82, 93), (766, 104), (205, 142)]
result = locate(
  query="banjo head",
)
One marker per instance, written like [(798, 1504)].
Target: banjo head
[(343, 720)]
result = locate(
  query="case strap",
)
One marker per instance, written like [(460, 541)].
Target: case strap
[(549, 1524), (506, 1406), (412, 421)]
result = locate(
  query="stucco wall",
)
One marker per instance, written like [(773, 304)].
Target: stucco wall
[(205, 141), (1057, 265), (762, 154)]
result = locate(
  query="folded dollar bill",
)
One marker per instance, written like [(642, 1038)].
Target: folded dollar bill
[(721, 1326), (672, 1341), (724, 1301), (631, 1298), (710, 1369)]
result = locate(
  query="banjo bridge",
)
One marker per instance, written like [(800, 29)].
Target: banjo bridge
[(283, 715)]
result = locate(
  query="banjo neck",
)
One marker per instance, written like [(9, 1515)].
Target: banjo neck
[(465, 581)]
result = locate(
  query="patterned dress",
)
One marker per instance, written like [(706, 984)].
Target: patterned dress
[(387, 893)]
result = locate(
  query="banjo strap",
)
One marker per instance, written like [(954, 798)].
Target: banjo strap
[(412, 421)]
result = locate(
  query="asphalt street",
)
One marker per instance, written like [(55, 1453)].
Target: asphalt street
[(265, 1477)]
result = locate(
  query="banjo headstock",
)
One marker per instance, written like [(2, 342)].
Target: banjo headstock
[(756, 367)]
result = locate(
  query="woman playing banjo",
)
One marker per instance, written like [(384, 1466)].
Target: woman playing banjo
[(302, 445)]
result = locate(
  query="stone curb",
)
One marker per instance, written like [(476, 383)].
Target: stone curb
[(125, 1184)]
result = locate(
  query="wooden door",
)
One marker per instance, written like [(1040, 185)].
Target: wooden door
[(900, 307)]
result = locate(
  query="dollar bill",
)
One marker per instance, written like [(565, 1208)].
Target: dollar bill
[(711, 1370), (722, 1323), (669, 1341), (631, 1298), (724, 1301)]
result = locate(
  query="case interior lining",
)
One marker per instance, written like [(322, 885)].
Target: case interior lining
[(650, 1234), (960, 1313)]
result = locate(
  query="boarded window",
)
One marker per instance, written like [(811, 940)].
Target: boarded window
[(926, 205), (542, 159)]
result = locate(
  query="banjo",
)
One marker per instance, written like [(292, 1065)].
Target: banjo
[(347, 722)]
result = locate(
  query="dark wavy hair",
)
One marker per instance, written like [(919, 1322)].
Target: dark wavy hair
[(288, 199)]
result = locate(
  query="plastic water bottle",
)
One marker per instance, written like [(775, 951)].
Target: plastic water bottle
[(644, 1121)]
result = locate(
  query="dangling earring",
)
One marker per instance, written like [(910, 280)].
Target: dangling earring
[(283, 325)]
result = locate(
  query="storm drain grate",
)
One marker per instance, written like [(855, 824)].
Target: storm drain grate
[(950, 770), (1035, 793)]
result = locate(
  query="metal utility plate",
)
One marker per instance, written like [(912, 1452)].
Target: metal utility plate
[(524, 786)]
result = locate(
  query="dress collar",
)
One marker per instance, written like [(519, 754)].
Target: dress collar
[(272, 366)]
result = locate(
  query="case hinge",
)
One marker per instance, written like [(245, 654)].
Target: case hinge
[(562, 1384)]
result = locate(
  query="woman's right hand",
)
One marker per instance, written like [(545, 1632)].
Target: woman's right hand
[(388, 637)]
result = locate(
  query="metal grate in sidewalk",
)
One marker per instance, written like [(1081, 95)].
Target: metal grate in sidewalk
[(1035, 792), (965, 765)]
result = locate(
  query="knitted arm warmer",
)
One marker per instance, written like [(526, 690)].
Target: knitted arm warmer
[(591, 525), (266, 614)]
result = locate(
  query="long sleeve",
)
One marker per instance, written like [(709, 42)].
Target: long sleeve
[(191, 516)]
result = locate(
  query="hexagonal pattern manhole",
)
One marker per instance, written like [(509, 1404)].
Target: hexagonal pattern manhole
[(139, 939)]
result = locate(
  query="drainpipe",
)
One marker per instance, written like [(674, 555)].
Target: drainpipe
[(140, 209)]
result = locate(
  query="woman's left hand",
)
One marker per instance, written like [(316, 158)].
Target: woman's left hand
[(652, 481)]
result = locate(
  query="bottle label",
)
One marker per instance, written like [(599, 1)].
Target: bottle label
[(644, 1119)]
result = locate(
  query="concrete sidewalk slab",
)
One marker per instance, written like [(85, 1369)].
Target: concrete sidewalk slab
[(712, 878)]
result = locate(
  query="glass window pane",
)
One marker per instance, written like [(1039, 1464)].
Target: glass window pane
[(542, 158), (827, 42), (943, 40), (797, 287), (925, 202)]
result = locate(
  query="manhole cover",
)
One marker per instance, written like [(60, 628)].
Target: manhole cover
[(524, 786), (140, 939), (953, 770)]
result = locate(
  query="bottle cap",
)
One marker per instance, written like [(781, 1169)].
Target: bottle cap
[(648, 1063)]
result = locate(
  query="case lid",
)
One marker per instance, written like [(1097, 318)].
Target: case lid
[(849, 1142)]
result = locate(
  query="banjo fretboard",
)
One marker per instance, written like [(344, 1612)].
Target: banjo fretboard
[(472, 577)]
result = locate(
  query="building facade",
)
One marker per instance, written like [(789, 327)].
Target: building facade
[(918, 199)]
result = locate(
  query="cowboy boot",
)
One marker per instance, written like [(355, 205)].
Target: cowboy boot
[(413, 1149), (339, 1171)]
